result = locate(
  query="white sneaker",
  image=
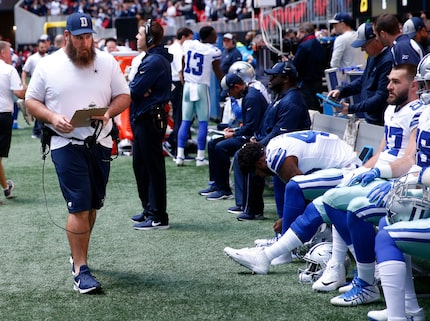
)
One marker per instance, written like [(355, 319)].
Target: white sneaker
[(267, 242), (381, 315), (282, 259), (202, 162), (252, 258), (179, 161), (332, 278), (361, 293)]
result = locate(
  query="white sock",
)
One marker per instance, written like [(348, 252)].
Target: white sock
[(393, 274), (339, 248), (200, 154), (366, 272), (285, 244), (411, 302), (180, 152)]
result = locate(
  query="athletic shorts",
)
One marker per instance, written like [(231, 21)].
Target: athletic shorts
[(6, 121), (83, 175)]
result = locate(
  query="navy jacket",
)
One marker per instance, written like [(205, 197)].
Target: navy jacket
[(229, 57), (153, 78), (372, 87), (253, 107), (310, 59), (286, 114)]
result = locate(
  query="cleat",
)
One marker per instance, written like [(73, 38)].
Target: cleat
[(253, 259), (332, 278), (267, 242), (249, 217), (179, 161), (201, 162), (361, 293), (282, 259), (382, 315), (84, 282)]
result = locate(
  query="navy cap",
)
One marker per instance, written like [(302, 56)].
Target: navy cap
[(341, 17), (364, 34), (412, 25), (79, 23), (230, 80), (283, 68)]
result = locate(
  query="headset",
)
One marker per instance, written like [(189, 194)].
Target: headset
[(148, 34)]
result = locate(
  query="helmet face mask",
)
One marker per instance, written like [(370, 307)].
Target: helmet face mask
[(408, 201), (316, 261), (244, 70), (423, 79)]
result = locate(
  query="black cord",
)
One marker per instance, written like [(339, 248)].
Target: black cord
[(46, 201)]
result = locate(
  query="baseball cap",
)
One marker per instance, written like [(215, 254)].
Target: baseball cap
[(44, 37), (228, 36), (412, 25), (230, 80), (341, 17), (79, 23), (364, 34), (283, 68)]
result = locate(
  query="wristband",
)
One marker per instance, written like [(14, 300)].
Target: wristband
[(385, 171)]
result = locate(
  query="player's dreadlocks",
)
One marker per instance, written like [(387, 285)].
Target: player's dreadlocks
[(248, 156)]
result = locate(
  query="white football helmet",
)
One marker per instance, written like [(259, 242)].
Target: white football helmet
[(244, 70), (125, 147), (316, 261), (423, 79), (408, 201)]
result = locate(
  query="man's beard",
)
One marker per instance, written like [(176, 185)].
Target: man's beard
[(82, 58), (400, 100)]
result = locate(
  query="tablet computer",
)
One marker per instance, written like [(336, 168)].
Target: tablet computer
[(82, 117)]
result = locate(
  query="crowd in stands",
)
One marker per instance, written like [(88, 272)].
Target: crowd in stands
[(105, 12)]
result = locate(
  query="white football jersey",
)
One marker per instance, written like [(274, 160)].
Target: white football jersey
[(313, 149), (423, 138), (398, 128), (198, 59)]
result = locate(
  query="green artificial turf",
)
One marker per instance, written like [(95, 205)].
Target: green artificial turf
[(175, 274)]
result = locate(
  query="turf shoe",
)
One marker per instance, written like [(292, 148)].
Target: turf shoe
[(235, 210), (207, 191), (361, 293), (139, 217), (152, 223), (219, 195), (332, 278), (253, 259), (382, 315), (84, 282), (249, 217), (8, 190)]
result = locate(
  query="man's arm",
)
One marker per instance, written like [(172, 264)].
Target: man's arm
[(289, 168), (116, 107), (216, 65)]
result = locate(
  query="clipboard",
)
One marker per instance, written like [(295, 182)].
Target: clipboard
[(82, 117)]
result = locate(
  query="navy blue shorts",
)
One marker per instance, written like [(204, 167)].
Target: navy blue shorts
[(83, 175), (6, 121)]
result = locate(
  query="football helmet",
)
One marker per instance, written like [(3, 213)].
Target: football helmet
[(125, 147), (408, 201), (244, 70), (316, 261), (423, 79)]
